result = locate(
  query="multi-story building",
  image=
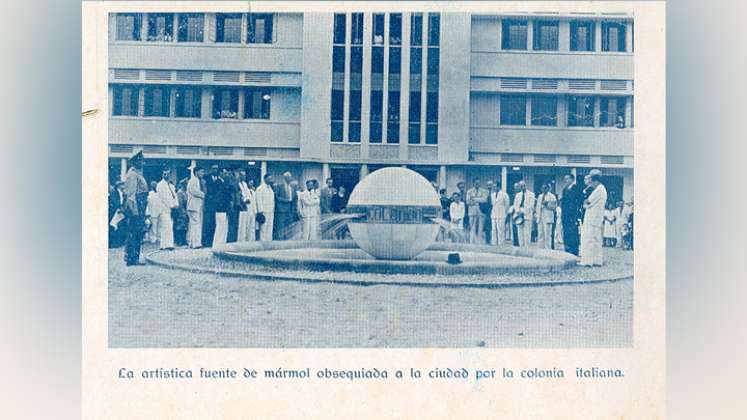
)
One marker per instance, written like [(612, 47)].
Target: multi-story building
[(453, 96)]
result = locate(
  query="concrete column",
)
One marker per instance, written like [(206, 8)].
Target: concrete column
[(262, 170), (366, 84), (404, 89), (172, 102), (346, 81), (144, 28), (175, 28), (242, 100), (504, 178), (598, 36), (573, 172), (528, 114), (325, 173), (363, 171), (564, 35), (629, 36), (530, 35), (628, 111), (442, 176), (562, 111), (123, 169), (244, 27), (207, 102), (597, 111), (385, 87)]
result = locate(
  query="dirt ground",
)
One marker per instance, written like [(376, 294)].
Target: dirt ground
[(151, 306)]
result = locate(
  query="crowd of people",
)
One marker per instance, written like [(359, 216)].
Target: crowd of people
[(215, 205), (580, 218)]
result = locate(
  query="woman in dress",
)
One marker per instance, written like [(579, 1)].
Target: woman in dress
[(610, 226)]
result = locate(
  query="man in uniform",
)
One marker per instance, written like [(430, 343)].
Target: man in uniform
[(136, 200)]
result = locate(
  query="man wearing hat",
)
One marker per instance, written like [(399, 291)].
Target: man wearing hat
[(136, 200)]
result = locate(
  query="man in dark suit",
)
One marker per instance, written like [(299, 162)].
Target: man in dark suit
[(571, 204), (233, 198), (213, 195), (116, 203)]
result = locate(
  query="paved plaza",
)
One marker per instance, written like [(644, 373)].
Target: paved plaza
[(152, 306)]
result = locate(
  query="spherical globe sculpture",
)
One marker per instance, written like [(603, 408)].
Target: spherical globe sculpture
[(397, 206)]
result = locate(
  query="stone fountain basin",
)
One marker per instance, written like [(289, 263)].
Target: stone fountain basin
[(336, 255)]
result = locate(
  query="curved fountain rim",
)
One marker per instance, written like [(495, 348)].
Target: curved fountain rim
[(545, 260), (264, 275)]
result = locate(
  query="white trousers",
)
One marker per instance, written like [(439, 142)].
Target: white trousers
[(194, 233), (497, 231), (166, 230), (311, 228), (247, 227), (265, 231), (524, 232), (591, 251), (477, 228), (153, 230), (544, 235), (221, 229)]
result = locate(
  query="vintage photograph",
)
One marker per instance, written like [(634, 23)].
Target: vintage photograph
[(392, 179)]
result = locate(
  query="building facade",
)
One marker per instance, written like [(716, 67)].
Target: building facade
[(453, 96)]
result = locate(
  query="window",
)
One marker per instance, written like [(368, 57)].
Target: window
[(513, 110), (377, 36), (433, 69), (612, 112), (581, 111), (392, 131), (336, 114), (338, 59), (339, 34), (545, 110), (356, 30), (356, 84), (545, 35), (377, 104), (226, 103), (126, 100), (157, 101), (416, 29), (191, 27), (160, 27), (228, 28), (434, 29), (582, 36), (128, 26), (257, 103), (188, 102), (514, 35), (613, 36), (414, 114), (377, 60), (431, 133), (260, 28), (395, 29), (395, 60)]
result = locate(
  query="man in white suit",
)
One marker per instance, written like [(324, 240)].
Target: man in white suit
[(167, 194), (523, 213), (195, 205), (499, 206), (310, 210), (265, 198), (248, 214), (592, 228), (545, 213)]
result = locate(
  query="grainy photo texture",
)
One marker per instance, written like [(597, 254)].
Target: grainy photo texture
[(370, 179)]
